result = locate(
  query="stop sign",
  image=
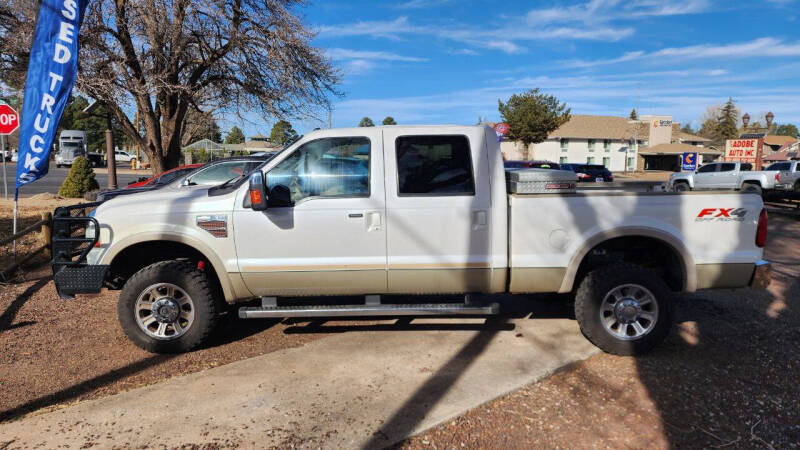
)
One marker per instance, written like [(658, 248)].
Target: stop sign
[(9, 119)]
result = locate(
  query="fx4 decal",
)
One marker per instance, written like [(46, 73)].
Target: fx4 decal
[(721, 215)]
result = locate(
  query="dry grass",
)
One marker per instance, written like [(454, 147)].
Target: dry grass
[(30, 211)]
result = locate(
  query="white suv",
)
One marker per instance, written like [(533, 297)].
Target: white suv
[(122, 156)]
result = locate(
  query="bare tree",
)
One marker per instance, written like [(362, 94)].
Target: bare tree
[(165, 58)]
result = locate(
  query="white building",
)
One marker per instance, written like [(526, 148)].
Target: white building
[(619, 143)]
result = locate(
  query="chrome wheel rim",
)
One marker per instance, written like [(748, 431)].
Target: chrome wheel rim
[(164, 311), (629, 312)]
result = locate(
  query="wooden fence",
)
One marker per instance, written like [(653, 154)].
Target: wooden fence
[(45, 226)]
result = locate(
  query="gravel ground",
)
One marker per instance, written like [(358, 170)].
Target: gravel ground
[(728, 377)]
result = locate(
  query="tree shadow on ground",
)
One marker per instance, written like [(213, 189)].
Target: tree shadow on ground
[(8, 316), (728, 375)]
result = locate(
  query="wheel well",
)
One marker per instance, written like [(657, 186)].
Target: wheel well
[(756, 182), (643, 251), (138, 256)]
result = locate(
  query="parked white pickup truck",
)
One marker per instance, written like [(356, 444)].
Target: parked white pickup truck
[(405, 210), (724, 175)]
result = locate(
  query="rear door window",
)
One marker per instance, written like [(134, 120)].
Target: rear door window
[(780, 166), (708, 168), (727, 167), (434, 165)]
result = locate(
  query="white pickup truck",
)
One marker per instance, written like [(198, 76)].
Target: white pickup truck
[(725, 175), (404, 210)]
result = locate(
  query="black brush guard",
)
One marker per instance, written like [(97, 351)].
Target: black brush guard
[(71, 273)]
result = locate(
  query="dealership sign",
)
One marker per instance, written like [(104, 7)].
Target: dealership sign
[(662, 123), (501, 129), (689, 161), (743, 150)]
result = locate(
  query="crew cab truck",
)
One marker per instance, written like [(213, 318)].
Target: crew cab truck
[(404, 210), (788, 176), (724, 175)]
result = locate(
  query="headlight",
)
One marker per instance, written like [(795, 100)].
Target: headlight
[(91, 231)]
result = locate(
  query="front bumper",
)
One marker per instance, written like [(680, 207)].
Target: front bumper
[(70, 246), (762, 275)]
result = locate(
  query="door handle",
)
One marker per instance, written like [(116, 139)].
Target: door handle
[(355, 215)]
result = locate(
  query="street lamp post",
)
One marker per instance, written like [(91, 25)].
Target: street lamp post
[(111, 162)]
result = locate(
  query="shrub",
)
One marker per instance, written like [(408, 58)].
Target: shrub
[(79, 181)]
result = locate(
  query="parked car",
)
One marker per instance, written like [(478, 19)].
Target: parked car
[(222, 170), (788, 175), (724, 175), (210, 174), (436, 217), (166, 177), (511, 165), (156, 182), (123, 156), (589, 172)]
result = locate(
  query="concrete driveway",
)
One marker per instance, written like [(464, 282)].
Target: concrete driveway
[(368, 387)]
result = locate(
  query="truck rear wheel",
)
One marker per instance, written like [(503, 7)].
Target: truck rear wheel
[(624, 309), (167, 307), (752, 188)]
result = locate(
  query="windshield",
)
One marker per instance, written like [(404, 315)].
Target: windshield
[(172, 176), (72, 144)]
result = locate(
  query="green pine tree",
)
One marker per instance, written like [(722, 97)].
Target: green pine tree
[(389, 120), (79, 181), (366, 122), (727, 121), (235, 136), (634, 114), (532, 116), (282, 133)]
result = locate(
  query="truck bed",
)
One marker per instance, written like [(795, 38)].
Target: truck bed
[(707, 229)]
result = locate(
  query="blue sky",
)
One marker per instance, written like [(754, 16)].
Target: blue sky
[(449, 61)]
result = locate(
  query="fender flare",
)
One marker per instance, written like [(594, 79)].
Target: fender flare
[(228, 289), (687, 261)]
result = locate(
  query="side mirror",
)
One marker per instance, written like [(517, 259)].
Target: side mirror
[(258, 192), (280, 196)]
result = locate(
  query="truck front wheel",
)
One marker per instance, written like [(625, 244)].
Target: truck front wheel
[(167, 307), (681, 186), (624, 309)]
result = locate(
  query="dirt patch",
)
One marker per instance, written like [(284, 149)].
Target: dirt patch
[(728, 377), (56, 352)]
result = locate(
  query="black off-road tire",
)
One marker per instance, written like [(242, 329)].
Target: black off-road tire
[(752, 188), (681, 186), (196, 285), (593, 289)]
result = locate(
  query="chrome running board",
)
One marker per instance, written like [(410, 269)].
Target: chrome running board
[(429, 309)]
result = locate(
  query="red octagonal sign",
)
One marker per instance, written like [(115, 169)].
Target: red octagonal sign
[(9, 119)]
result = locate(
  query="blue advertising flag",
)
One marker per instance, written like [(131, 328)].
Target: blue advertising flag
[(52, 68)]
